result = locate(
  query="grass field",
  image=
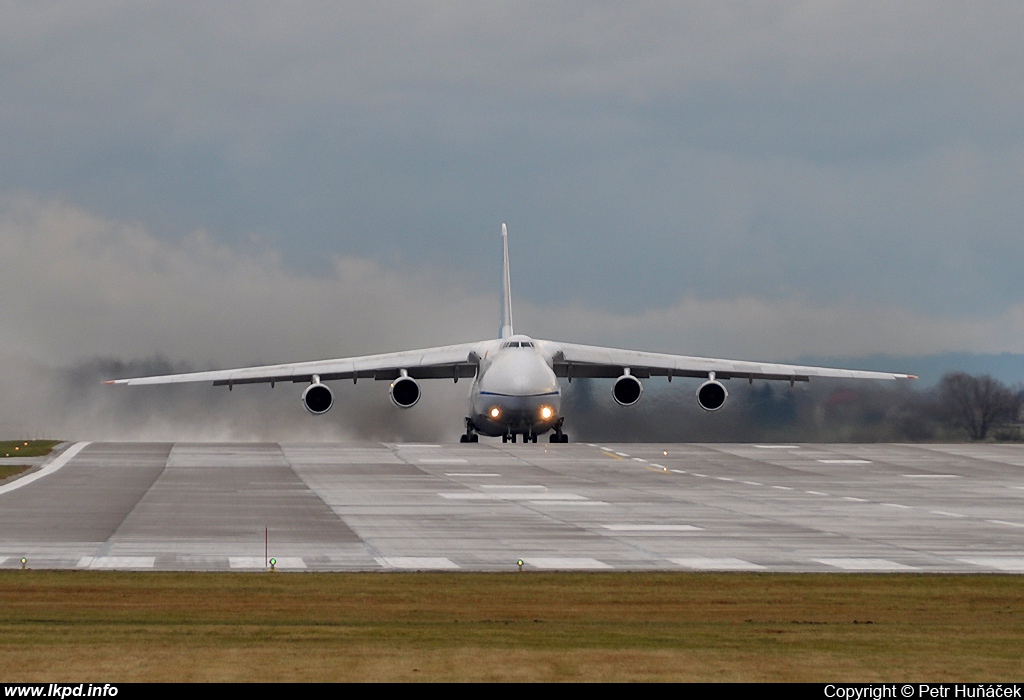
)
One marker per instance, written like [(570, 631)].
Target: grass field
[(119, 626), (8, 470), (26, 448)]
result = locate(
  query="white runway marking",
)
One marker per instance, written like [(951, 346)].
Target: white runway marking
[(540, 487), (116, 562), (565, 563), (50, 468), (626, 527), (417, 562), (481, 475), (1005, 522), (442, 460), (524, 496), (778, 447), (930, 476), (1012, 564), (558, 502), (866, 564), (845, 461), (261, 563), (716, 564), (545, 497)]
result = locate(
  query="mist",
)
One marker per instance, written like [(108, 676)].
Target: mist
[(73, 403)]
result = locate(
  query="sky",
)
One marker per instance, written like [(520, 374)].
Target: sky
[(222, 184)]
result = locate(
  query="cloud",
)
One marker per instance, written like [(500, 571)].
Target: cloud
[(717, 150), (77, 285)]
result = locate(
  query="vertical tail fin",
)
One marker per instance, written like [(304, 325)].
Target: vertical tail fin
[(506, 289)]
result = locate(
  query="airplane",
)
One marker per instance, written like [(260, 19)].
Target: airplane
[(515, 386)]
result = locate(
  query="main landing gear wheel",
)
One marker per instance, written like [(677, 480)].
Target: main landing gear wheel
[(558, 435), (470, 435)]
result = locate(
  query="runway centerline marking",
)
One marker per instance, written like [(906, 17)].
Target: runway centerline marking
[(628, 527)]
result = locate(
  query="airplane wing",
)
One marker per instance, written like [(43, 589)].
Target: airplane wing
[(571, 360), (446, 362)]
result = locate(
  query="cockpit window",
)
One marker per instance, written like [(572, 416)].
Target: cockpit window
[(518, 344)]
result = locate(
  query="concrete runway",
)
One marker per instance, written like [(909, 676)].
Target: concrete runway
[(347, 507)]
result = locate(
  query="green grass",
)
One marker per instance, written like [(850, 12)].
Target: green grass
[(26, 448), (11, 470), (106, 626)]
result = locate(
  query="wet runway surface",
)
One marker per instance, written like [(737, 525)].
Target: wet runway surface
[(345, 507)]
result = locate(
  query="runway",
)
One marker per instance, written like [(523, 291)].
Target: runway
[(483, 507)]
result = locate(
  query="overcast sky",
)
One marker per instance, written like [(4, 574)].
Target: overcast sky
[(239, 182)]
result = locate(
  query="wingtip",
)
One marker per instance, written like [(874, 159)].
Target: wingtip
[(504, 230), (110, 381)]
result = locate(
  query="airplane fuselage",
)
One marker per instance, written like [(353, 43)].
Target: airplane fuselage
[(515, 391)]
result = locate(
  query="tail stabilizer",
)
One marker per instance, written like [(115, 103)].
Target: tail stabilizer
[(506, 289)]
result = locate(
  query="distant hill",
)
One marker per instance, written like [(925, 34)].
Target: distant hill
[(1006, 367)]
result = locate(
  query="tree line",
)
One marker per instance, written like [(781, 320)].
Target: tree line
[(960, 407)]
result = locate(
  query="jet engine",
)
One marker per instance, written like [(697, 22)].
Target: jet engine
[(405, 392), (627, 390), (711, 395), (317, 398)]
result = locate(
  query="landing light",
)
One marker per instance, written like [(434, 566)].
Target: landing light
[(546, 412), (495, 412)]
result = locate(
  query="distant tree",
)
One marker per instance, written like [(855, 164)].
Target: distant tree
[(976, 403)]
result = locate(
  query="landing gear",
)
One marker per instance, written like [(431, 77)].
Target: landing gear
[(558, 435), (527, 437), (470, 435)]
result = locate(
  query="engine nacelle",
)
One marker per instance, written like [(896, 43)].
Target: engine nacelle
[(405, 392), (317, 399), (627, 390), (711, 395)]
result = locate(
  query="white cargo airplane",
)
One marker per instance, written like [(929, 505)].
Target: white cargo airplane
[(515, 389)]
